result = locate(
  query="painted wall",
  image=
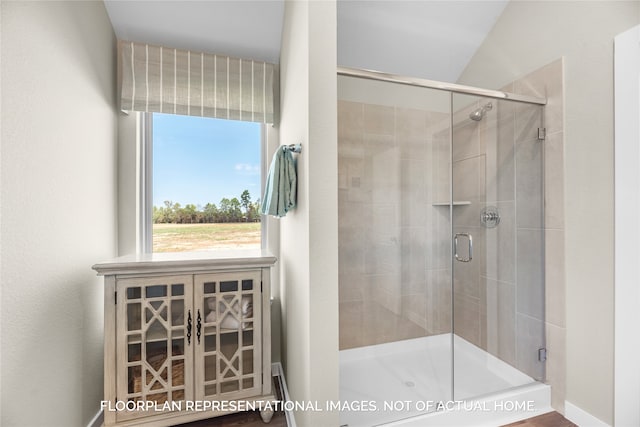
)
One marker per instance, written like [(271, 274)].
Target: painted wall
[(128, 182), (627, 208), (58, 207), (309, 234), (583, 33)]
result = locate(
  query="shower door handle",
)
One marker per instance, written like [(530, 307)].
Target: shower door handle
[(455, 247)]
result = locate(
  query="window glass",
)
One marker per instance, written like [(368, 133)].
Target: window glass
[(206, 183)]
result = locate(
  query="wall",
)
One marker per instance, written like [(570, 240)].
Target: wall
[(627, 208), (58, 207), (583, 33), (309, 234), (128, 198)]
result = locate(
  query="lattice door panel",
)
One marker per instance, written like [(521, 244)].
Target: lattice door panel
[(155, 345), (228, 359)]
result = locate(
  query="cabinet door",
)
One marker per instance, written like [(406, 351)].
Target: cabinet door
[(154, 350), (228, 353)]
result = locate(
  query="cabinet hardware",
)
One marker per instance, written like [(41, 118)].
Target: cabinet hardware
[(189, 328), (199, 326)]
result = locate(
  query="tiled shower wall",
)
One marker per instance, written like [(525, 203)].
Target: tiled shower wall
[(394, 247)]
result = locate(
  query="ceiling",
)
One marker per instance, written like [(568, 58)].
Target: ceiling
[(421, 38), (242, 28)]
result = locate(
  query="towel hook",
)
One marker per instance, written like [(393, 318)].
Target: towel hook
[(294, 148)]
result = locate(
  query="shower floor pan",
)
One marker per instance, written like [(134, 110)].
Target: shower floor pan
[(408, 383)]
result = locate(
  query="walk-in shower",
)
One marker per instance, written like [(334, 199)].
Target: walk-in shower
[(441, 244)]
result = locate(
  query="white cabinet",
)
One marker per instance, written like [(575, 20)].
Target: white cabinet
[(184, 333)]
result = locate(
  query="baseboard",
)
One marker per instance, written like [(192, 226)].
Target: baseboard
[(581, 417), (278, 372), (97, 420)]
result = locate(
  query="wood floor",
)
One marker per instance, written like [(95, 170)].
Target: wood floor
[(245, 419), (252, 419), (241, 419), (552, 419)]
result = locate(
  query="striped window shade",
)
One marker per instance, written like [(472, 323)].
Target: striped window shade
[(165, 80)]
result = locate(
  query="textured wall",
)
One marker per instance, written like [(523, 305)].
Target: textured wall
[(58, 207), (309, 234)]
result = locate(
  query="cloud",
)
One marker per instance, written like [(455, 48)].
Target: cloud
[(247, 169)]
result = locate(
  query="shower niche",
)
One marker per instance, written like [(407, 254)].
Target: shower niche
[(441, 245)]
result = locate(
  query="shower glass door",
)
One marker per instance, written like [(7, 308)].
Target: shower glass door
[(498, 238)]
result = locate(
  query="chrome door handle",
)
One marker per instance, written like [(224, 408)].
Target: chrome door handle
[(455, 247)]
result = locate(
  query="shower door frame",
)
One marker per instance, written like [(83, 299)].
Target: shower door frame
[(444, 86)]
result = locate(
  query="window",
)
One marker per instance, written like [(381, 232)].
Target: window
[(204, 183)]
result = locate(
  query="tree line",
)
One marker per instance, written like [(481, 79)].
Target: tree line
[(228, 210)]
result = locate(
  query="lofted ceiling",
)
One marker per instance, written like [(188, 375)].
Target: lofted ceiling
[(421, 38)]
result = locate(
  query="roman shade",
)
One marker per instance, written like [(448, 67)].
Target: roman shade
[(166, 80)]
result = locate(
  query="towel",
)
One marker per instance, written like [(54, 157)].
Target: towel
[(280, 190)]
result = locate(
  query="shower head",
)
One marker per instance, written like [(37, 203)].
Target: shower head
[(478, 113)]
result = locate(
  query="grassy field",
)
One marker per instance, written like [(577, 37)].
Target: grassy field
[(199, 237)]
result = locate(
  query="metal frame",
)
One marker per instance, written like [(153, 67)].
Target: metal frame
[(433, 84)]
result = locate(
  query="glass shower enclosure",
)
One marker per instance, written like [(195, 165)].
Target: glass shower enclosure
[(441, 245)]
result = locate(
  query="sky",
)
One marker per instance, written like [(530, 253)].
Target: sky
[(201, 160)]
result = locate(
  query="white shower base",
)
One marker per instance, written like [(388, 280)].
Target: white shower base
[(415, 375)]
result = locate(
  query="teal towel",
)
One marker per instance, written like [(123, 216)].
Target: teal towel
[(280, 190)]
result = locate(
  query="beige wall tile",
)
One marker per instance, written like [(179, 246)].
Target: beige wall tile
[(529, 276), (529, 338), (528, 120), (468, 179), (350, 253), (555, 295), (505, 159), (351, 287), (501, 320), (467, 317), (529, 181), (554, 180), (412, 133), (444, 300), (466, 141), (351, 324), (379, 119), (440, 168), (350, 119)]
